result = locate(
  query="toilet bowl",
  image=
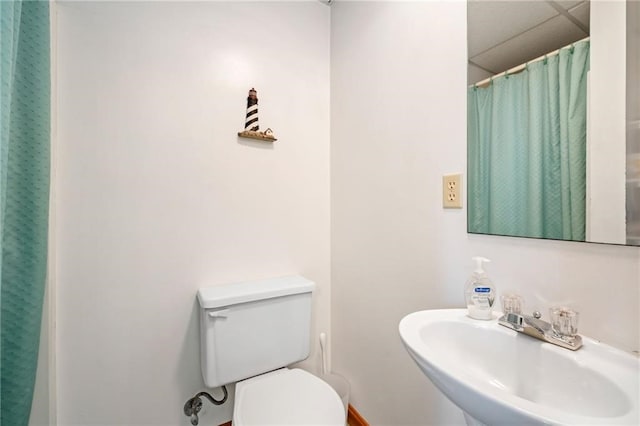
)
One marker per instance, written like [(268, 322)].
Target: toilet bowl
[(287, 397)]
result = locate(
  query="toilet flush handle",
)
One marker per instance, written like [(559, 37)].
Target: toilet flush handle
[(222, 313)]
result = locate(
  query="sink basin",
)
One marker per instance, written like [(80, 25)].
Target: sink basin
[(501, 377)]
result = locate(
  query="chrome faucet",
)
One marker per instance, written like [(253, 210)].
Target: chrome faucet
[(540, 329)]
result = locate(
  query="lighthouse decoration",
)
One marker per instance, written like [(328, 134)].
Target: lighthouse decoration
[(251, 123)]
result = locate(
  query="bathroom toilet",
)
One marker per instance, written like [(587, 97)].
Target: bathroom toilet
[(249, 333)]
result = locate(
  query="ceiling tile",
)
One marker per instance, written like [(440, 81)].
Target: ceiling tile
[(568, 4), (491, 22), (582, 13), (553, 34)]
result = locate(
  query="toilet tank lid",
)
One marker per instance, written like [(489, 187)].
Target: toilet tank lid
[(242, 292)]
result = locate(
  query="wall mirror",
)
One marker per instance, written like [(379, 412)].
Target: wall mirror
[(553, 148)]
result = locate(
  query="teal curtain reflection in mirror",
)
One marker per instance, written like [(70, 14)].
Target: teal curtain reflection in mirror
[(24, 204), (526, 164)]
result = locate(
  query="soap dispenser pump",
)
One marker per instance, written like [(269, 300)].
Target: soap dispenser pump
[(480, 293)]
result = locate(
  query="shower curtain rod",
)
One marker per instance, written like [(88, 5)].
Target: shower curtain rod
[(520, 67)]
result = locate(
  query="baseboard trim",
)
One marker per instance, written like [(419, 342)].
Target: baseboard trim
[(354, 418)]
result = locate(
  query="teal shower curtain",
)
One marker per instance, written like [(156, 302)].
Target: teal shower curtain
[(24, 198), (527, 150)]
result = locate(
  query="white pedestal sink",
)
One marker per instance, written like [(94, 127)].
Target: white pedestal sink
[(500, 377)]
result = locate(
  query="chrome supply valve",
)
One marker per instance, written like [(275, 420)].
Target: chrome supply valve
[(191, 409), (562, 331), (193, 405)]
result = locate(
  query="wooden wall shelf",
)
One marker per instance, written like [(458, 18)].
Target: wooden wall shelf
[(261, 136)]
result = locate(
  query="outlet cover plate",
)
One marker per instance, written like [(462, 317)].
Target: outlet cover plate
[(452, 191)]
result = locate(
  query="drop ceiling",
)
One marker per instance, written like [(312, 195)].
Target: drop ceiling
[(504, 34)]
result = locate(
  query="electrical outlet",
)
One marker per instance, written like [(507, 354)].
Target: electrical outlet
[(451, 191)]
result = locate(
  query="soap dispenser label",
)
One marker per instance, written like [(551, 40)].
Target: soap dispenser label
[(482, 297), (481, 301)]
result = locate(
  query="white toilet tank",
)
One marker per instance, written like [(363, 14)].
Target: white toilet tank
[(253, 327)]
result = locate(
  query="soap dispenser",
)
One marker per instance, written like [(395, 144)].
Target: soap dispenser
[(480, 293)]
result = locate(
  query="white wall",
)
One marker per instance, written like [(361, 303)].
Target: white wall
[(157, 196), (398, 123)]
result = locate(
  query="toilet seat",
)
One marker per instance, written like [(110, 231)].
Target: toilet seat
[(287, 397)]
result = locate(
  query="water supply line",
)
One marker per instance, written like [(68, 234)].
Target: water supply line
[(193, 405)]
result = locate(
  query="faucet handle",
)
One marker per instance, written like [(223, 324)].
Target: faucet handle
[(537, 314), (511, 303), (564, 321)]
